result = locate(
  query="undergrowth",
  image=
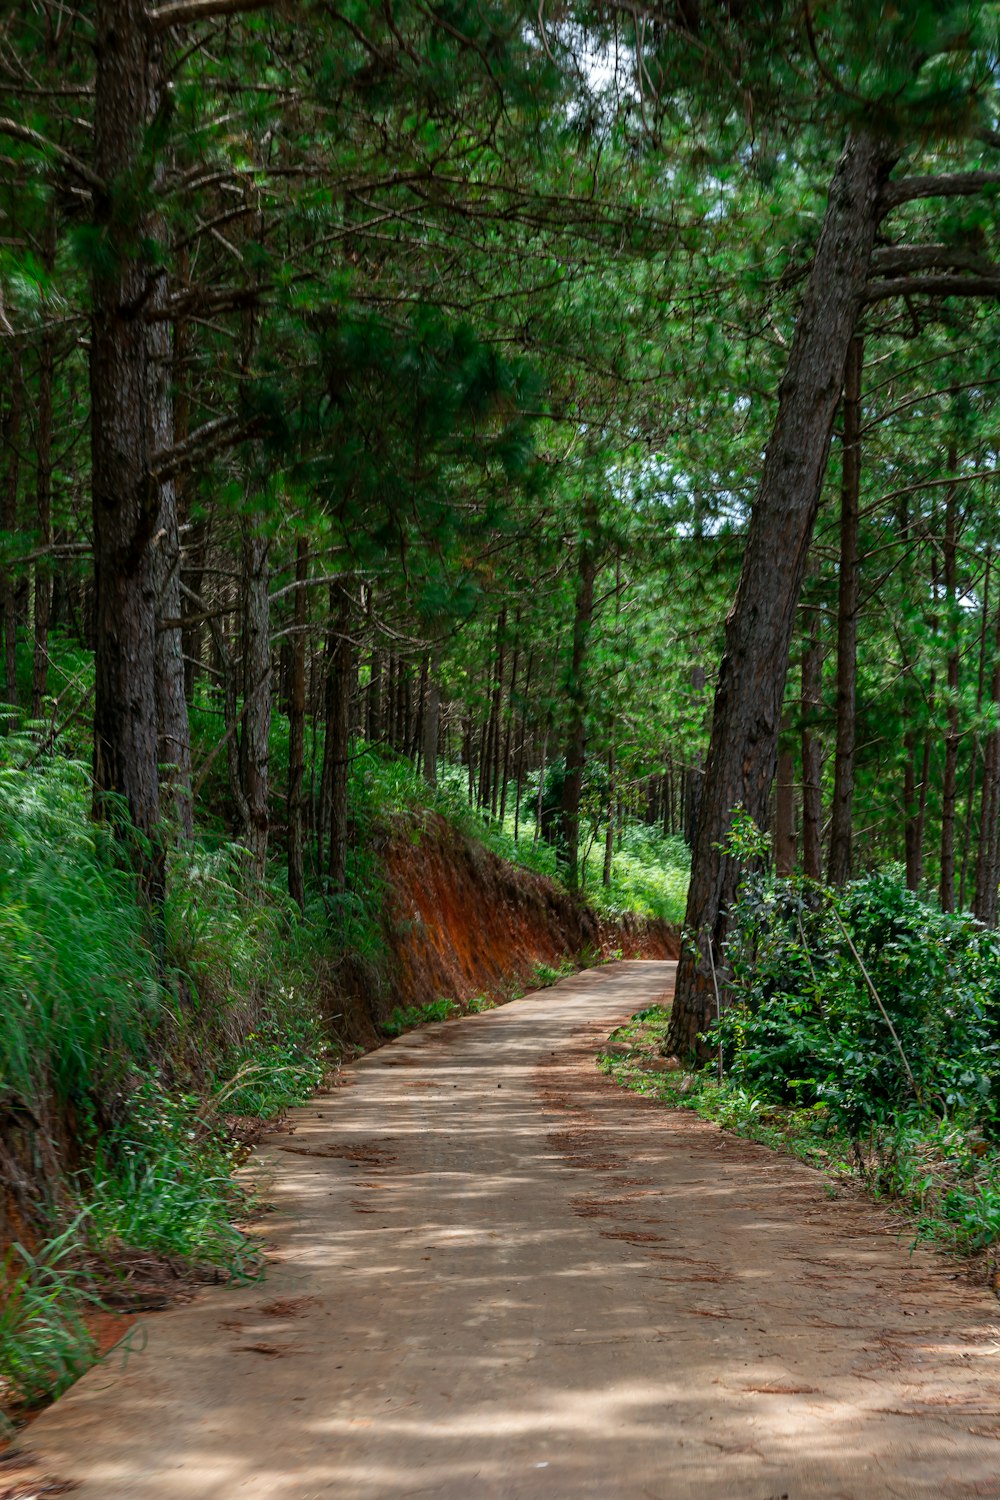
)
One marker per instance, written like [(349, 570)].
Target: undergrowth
[(133, 1060), (124, 1072), (862, 1034)]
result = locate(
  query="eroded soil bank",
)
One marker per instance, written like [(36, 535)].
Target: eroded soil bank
[(494, 1274)]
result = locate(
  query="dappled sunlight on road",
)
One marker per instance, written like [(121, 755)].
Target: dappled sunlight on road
[(495, 1275)]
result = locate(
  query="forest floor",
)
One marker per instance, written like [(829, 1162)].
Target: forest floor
[(494, 1274)]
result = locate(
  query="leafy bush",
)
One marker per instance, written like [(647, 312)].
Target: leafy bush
[(867, 999)]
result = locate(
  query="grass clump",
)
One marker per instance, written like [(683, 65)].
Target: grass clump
[(44, 1341), (406, 1017), (544, 975)]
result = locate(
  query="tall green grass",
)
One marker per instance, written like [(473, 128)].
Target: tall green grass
[(125, 1066), (79, 996)]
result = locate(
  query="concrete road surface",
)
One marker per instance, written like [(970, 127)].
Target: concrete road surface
[(495, 1275)]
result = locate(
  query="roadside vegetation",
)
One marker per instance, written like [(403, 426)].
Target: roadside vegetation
[(860, 1030), (141, 1051)]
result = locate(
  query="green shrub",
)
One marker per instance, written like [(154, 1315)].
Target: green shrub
[(867, 999)]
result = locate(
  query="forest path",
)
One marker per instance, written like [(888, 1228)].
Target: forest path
[(496, 1275)]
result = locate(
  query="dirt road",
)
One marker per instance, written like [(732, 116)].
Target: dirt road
[(495, 1275)]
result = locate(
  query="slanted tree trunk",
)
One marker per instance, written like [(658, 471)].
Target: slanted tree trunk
[(297, 733), (748, 701), (842, 812)]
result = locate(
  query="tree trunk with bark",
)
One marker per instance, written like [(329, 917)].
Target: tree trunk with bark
[(842, 812), (949, 786), (812, 752), (257, 693), (337, 749), (126, 496), (609, 831), (748, 702), (297, 733), (12, 420), (430, 727), (43, 513), (987, 901), (576, 697)]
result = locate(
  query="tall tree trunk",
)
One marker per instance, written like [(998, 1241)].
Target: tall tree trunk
[(174, 735), (842, 812), (576, 697), (297, 733), (431, 726), (987, 900), (969, 822), (609, 832), (522, 742), (469, 744), (374, 727), (812, 752), (8, 523), (912, 832), (949, 785), (257, 692), (43, 512), (509, 724), (337, 752), (750, 691), (126, 498), (540, 799), (495, 711)]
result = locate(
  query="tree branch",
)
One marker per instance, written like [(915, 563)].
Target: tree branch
[(223, 432), (945, 185), (181, 12), (890, 260), (934, 286), (41, 143)]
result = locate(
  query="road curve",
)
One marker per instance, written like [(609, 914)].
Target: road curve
[(494, 1275)]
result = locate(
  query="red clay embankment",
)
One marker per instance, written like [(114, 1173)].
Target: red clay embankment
[(462, 922)]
